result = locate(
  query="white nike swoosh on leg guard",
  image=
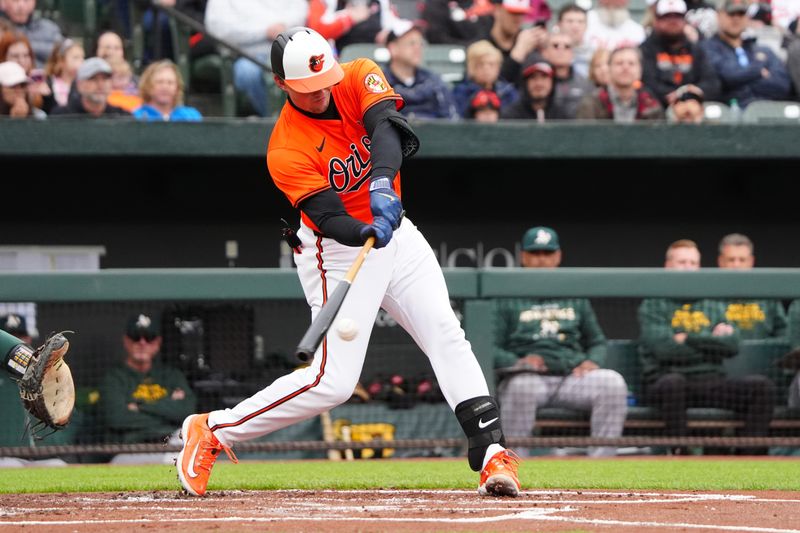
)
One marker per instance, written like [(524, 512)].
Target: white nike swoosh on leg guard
[(191, 471), (482, 424)]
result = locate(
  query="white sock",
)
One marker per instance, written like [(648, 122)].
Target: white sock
[(490, 451)]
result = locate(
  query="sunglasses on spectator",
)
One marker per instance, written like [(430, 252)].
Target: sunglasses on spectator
[(149, 337)]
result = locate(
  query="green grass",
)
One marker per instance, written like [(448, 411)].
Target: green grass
[(623, 474)]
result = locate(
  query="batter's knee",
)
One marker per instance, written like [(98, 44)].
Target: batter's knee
[(333, 392)]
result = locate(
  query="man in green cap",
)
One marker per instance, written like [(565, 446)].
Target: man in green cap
[(143, 400), (552, 351)]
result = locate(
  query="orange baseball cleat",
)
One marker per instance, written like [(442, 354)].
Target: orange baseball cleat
[(499, 476), (200, 451)]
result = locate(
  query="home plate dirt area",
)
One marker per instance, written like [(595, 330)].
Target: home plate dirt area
[(404, 510)]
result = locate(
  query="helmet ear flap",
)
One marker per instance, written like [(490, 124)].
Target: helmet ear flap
[(276, 54)]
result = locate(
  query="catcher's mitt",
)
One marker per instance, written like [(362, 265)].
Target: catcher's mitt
[(46, 388)]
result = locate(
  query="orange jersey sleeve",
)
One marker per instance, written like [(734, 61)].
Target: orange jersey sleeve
[(307, 155), (365, 85)]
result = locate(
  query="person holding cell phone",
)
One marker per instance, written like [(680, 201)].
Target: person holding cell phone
[(14, 98), (17, 48)]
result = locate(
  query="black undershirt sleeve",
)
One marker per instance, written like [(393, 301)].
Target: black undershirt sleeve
[(326, 209), (327, 212), (387, 151)]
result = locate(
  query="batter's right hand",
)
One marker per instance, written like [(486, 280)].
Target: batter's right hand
[(380, 229)]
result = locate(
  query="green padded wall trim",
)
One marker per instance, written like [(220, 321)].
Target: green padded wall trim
[(641, 282), (180, 284), (511, 139)]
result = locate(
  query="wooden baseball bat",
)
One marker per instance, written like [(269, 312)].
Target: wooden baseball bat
[(327, 435), (319, 327)]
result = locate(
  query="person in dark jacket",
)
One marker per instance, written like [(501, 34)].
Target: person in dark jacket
[(42, 33), (94, 87), (483, 74), (536, 101), (457, 22), (509, 36), (683, 343), (748, 72), (143, 400), (569, 86), (671, 61), (621, 100), (425, 94)]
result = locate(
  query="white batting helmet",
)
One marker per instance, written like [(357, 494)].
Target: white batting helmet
[(304, 60)]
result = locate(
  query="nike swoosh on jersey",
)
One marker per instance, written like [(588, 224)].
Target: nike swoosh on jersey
[(482, 424), (321, 146), (191, 471)]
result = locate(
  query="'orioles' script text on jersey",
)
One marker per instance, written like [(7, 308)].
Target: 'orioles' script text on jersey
[(306, 156)]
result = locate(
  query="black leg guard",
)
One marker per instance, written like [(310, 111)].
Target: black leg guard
[(480, 418)]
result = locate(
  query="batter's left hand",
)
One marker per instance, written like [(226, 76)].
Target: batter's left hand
[(384, 202)]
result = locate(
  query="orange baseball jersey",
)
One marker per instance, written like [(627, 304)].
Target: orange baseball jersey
[(307, 155)]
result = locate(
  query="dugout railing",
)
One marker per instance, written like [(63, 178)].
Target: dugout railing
[(267, 305)]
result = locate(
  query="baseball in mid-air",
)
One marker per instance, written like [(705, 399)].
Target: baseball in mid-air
[(346, 328)]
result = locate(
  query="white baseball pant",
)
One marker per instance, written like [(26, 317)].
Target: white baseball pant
[(405, 279)]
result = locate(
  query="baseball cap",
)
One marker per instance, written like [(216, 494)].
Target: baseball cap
[(141, 325), (733, 6), (540, 238), (12, 74), (536, 64), (304, 60), (483, 99), (14, 324), (401, 27), (667, 7), (517, 6), (92, 67)]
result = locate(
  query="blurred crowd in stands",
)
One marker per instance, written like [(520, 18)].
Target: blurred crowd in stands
[(450, 59)]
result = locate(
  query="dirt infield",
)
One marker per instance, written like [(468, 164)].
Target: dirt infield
[(391, 510)]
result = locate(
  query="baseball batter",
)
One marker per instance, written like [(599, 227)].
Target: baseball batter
[(335, 152)]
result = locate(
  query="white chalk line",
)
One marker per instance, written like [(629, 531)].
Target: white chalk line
[(523, 515), (540, 513), (671, 525)]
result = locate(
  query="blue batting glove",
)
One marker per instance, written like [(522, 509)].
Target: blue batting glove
[(384, 202), (380, 229)]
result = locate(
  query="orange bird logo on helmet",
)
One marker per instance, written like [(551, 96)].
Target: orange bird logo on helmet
[(315, 62)]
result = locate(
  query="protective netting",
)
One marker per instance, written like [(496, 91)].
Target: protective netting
[(737, 401)]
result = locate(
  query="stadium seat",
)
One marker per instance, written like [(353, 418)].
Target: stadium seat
[(379, 54), (623, 356), (76, 17), (718, 113), (765, 111), (760, 357), (756, 357), (447, 60)]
